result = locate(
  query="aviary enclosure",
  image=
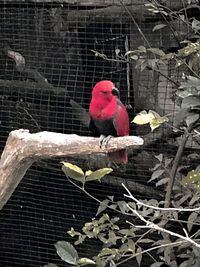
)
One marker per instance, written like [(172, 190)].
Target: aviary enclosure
[(52, 54)]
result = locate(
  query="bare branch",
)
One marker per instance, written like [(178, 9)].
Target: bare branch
[(151, 225), (23, 148), (156, 208)]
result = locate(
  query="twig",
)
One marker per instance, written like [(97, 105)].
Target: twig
[(153, 207), (175, 166), (124, 60), (150, 249), (134, 21), (186, 16), (152, 225)]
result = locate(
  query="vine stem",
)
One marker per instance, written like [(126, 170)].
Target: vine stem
[(174, 171)]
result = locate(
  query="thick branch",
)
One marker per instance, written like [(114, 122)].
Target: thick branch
[(23, 148)]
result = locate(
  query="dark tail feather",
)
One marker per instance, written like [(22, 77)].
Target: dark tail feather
[(119, 156)]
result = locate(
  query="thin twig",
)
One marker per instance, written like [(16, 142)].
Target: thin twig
[(124, 60), (175, 166), (156, 208), (134, 21), (152, 225)]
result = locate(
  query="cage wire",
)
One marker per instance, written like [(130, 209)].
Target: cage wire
[(59, 43)]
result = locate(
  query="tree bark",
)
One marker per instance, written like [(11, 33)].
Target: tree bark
[(23, 148)]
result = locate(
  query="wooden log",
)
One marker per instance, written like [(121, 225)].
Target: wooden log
[(23, 148)]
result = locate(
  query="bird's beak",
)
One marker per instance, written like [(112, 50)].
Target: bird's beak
[(115, 91)]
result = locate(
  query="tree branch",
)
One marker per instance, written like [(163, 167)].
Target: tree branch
[(23, 148)]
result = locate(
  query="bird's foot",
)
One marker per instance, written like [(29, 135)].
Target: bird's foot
[(104, 140)]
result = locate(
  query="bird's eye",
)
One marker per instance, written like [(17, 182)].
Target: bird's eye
[(104, 92)]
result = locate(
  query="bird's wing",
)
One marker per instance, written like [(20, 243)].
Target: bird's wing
[(92, 126), (121, 120)]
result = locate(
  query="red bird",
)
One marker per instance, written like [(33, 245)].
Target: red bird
[(108, 117)]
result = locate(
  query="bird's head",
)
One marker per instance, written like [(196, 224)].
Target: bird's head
[(105, 91)]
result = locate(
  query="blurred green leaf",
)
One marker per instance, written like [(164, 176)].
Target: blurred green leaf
[(103, 205), (181, 115), (192, 177), (139, 256), (155, 123), (190, 102), (73, 171), (67, 252), (72, 232), (156, 51), (143, 118), (159, 157), (122, 206), (158, 27), (85, 261), (129, 52), (191, 219), (192, 118), (142, 48), (108, 251), (97, 175), (156, 175)]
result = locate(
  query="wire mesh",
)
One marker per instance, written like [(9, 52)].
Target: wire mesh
[(58, 42)]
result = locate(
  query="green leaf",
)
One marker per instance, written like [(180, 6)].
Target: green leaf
[(139, 256), (159, 157), (194, 199), (72, 232), (192, 177), (129, 246), (73, 171), (192, 118), (103, 205), (85, 261), (117, 51), (80, 240), (156, 175), (155, 123), (191, 82), (168, 161), (190, 102), (191, 219), (158, 27), (145, 240), (181, 115), (108, 251), (143, 118), (88, 172), (122, 206), (156, 51), (128, 232), (104, 218), (162, 181), (129, 52), (97, 175), (187, 92), (134, 57), (67, 252), (151, 117), (142, 48)]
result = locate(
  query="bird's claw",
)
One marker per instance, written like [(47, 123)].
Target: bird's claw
[(104, 140)]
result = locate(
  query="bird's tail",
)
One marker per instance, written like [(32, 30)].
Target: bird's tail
[(119, 156)]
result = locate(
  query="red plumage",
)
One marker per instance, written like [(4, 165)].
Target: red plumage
[(108, 116)]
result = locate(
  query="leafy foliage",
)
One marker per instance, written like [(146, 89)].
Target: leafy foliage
[(193, 179), (76, 173), (153, 118)]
